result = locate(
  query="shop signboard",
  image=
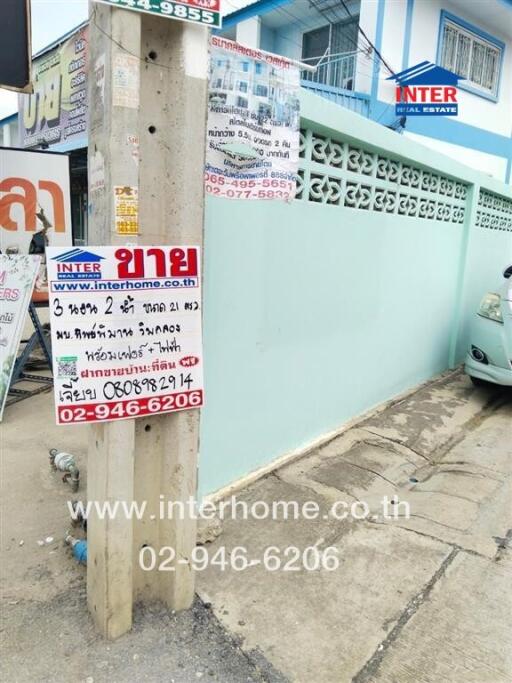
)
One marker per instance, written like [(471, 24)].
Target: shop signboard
[(126, 331), (34, 192), (197, 11), (17, 278), (56, 112)]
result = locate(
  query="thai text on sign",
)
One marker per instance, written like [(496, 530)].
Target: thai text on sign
[(253, 137), (126, 331)]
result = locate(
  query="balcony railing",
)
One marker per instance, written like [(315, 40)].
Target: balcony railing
[(334, 79), (337, 70)]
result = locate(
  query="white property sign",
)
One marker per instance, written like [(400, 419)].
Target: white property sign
[(17, 278), (126, 331), (253, 137)]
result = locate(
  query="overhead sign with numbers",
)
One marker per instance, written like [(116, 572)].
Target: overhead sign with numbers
[(198, 11), (126, 331)]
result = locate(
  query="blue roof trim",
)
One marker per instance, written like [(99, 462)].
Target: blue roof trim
[(256, 9), (9, 119)]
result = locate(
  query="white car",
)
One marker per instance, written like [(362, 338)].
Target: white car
[(489, 357)]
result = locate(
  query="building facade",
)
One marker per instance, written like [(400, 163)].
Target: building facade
[(357, 44), (356, 47)]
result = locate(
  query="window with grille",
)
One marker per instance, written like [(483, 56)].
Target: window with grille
[(471, 57)]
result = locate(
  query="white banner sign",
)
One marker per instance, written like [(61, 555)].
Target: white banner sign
[(126, 331), (253, 123), (17, 278), (31, 182)]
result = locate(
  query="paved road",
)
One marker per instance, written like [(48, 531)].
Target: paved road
[(418, 599)]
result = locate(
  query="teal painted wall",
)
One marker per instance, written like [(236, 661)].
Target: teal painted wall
[(314, 313)]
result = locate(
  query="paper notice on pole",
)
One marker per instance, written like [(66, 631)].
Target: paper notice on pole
[(17, 277), (96, 172), (253, 133), (126, 331), (126, 209), (125, 81)]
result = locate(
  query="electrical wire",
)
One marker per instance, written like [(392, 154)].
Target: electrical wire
[(369, 41), (92, 18)]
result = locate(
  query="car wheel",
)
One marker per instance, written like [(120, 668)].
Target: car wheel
[(477, 382)]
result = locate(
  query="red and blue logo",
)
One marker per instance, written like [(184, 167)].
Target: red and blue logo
[(426, 90), (78, 264)]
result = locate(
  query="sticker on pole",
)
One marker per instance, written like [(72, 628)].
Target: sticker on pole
[(126, 331), (198, 11)]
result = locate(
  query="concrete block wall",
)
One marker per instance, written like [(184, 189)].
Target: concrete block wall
[(362, 287)]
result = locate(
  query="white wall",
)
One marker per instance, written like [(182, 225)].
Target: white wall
[(248, 32), (368, 22)]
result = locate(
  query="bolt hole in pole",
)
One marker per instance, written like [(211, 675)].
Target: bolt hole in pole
[(152, 129), (152, 55), (147, 428)]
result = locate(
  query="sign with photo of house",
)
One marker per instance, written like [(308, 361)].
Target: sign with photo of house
[(253, 134)]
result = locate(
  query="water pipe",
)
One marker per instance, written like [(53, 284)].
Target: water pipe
[(65, 462), (79, 548)]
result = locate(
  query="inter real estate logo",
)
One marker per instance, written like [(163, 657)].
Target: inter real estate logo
[(78, 264), (426, 90)]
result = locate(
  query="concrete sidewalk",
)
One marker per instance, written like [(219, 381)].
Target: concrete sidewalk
[(424, 599)]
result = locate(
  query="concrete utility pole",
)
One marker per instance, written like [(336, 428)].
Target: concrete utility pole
[(162, 121)]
